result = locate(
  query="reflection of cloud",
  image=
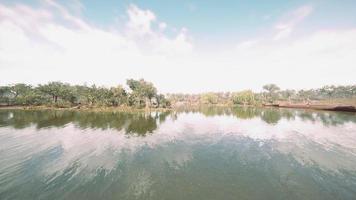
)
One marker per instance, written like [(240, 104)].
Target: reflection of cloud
[(325, 156), (310, 143), (140, 185), (177, 156)]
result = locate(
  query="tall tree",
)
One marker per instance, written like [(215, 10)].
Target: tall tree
[(272, 90), (58, 90), (328, 90), (118, 95), (142, 92), (21, 92), (5, 93)]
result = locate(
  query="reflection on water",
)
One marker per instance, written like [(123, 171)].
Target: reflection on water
[(205, 153), (142, 123), (133, 123)]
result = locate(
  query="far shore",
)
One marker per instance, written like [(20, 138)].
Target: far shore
[(86, 108), (313, 106)]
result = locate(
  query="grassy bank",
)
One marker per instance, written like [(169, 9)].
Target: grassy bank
[(334, 105), (88, 108), (314, 106)]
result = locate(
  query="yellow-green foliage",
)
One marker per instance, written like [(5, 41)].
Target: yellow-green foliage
[(209, 98), (245, 97)]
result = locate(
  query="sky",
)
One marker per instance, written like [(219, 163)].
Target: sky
[(187, 46)]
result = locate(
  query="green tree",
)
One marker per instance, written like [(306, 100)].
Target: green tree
[(118, 95), (89, 94), (21, 93), (58, 90), (272, 90), (162, 101), (328, 90), (287, 94), (142, 92), (305, 95), (52, 89), (5, 94)]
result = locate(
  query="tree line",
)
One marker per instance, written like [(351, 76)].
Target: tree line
[(270, 93), (140, 93)]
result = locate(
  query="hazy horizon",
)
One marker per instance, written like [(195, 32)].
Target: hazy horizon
[(180, 46)]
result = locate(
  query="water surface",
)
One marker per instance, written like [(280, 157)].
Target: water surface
[(206, 153)]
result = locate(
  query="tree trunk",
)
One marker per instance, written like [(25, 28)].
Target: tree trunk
[(158, 103), (148, 102)]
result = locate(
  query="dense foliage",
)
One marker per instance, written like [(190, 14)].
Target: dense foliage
[(140, 94), (271, 93)]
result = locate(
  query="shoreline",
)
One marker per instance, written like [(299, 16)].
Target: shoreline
[(326, 107), (90, 109)]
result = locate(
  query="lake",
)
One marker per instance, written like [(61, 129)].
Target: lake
[(204, 153)]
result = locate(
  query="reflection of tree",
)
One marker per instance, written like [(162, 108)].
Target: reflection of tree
[(140, 123), (162, 116), (212, 111), (271, 116), (239, 112), (246, 112), (347, 117), (4, 118), (21, 119), (54, 119), (334, 119), (288, 114), (102, 120), (307, 116), (174, 116), (16, 120), (328, 118)]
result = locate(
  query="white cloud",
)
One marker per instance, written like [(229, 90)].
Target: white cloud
[(140, 21), (162, 26), (139, 27), (43, 45), (324, 57), (64, 14), (287, 25), (50, 43)]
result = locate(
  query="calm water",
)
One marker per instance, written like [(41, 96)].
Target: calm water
[(209, 153)]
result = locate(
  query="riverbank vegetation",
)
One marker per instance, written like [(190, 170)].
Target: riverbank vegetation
[(139, 94), (271, 94)]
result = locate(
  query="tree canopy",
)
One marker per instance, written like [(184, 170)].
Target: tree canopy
[(140, 94)]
